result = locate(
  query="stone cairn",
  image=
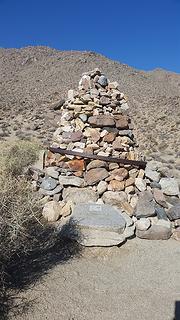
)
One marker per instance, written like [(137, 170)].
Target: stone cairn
[(108, 201)]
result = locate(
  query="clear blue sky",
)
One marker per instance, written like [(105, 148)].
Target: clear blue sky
[(142, 33)]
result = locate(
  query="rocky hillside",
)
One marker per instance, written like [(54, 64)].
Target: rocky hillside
[(32, 79)]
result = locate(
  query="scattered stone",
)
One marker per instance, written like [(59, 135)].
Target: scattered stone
[(169, 186), (121, 122), (57, 105), (76, 165), (127, 208), (51, 211)]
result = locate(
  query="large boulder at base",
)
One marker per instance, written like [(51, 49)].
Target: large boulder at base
[(97, 225)]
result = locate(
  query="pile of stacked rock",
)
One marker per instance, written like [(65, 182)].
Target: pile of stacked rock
[(95, 122)]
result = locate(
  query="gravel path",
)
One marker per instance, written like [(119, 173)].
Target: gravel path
[(139, 281)]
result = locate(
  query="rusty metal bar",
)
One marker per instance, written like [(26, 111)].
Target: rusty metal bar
[(137, 163)]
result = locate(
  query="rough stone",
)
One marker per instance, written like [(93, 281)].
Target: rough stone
[(96, 164), (51, 172), (101, 121), (161, 213), (103, 81), (102, 187), (169, 186), (152, 175), (119, 174), (143, 224), (140, 184), (51, 211), (159, 197), (56, 190), (71, 181), (114, 198), (116, 185), (176, 234), (67, 209), (121, 122), (93, 176), (97, 225), (174, 212), (155, 232), (145, 205), (104, 101), (76, 165), (76, 195), (48, 183)]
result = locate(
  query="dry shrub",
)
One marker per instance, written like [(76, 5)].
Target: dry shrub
[(28, 247), (19, 206)]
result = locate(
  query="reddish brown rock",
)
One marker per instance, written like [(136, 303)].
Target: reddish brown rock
[(101, 121), (109, 137), (159, 197), (76, 165), (121, 122), (116, 185), (119, 174), (93, 176)]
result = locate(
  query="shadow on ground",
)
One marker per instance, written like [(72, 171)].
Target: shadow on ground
[(177, 311), (46, 249)]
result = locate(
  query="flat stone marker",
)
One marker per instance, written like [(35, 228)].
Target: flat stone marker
[(97, 225)]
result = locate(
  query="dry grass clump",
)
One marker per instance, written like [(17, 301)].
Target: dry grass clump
[(19, 207)]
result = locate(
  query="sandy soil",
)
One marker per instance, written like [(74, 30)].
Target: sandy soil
[(138, 281)]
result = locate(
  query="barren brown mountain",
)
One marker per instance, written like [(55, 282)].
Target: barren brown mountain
[(33, 78)]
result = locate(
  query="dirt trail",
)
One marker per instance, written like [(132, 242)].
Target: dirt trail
[(139, 281)]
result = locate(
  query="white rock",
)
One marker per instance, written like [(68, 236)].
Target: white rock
[(152, 175), (51, 211), (169, 186), (143, 224), (140, 184), (102, 187)]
